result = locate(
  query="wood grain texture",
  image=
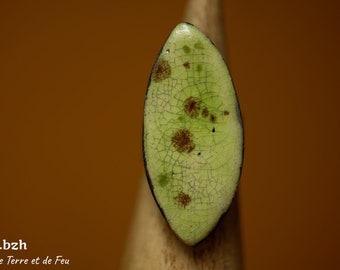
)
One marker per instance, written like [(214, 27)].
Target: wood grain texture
[(151, 243)]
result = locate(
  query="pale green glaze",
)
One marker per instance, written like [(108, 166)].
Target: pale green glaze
[(193, 138)]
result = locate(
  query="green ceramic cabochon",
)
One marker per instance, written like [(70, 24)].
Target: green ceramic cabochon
[(193, 137)]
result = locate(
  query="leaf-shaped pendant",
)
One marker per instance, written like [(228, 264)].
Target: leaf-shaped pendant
[(193, 136)]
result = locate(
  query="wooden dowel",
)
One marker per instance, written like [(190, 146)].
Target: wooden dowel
[(151, 244)]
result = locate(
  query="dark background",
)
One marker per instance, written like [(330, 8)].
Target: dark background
[(73, 75)]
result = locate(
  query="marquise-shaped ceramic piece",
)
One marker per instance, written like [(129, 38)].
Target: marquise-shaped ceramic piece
[(193, 136)]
